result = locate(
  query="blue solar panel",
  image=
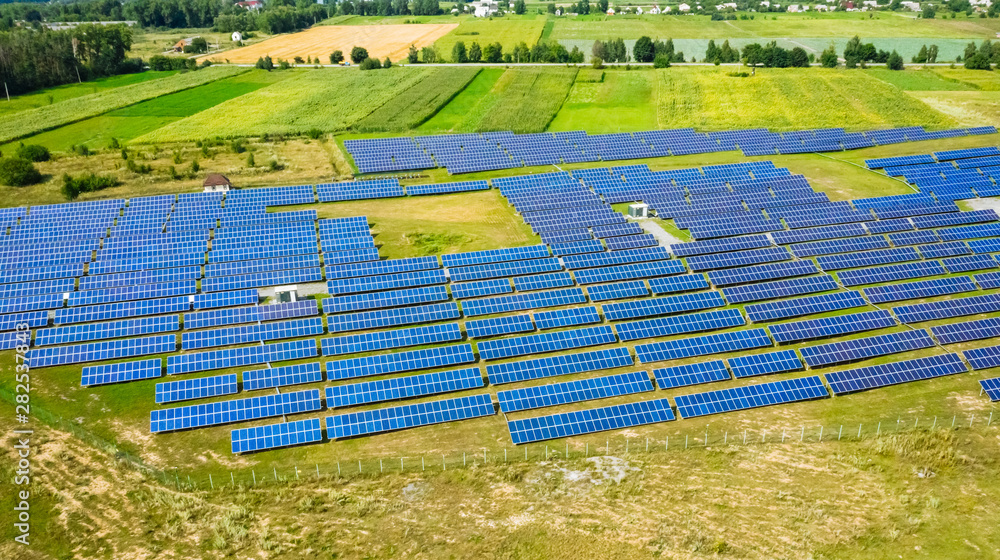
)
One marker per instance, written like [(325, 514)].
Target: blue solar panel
[(948, 309), (567, 424), (386, 282), (680, 324), (567, 317), (831, 326), (939, 250), (720, 245), (243, 356), (495, 326), (510, 268), (818, 234), (99, 331), (577, 248), (225, 299), (889, 273), (762, 272), (691, 374), (969, 232), (991, 387), (618, 290), (193, 340), (102, 351), (739, 258), (391, 266), (815, 248), (240, 410), (884, 375), (765, 364), (384, 340), (804, 306), (121, 372), (969, 263), (540, 396), (512, 372), (662, 305), (196, 388), (495, 256), (403, 387), (284, 376), (543, 281), (629, 272), (573, 262), (970, 330), (391, 317), (702, 345), (545, 342), (481, 288), (867, 258), (521, 302), (674, 284), (779, 289), (29, 319), (392, 298), (382, 364), (751, 396), (409, 416), (956, 219), (274, 436), (915, 290), (864, 348)]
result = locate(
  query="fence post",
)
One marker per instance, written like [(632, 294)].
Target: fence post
[(763, 436), (971, 420), (859, 431), (464, 463), (338, 468), (400, 464), (317, 470), (254, 476), (380, 469), (210, 482), (841, 432), (275, 473), (802, 437), (878, 431), (296, 472), (934, 425), (990, 422), (744, 436), (423, 467), (232, 478), (444, 464), (821, 433), (726, 441), (706, 437), (915, 422), (685, 441), (953, 419), (782, 435), (359, 466)]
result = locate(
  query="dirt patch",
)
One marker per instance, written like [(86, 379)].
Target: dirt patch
[(983, 203), (382, 41), (662, 237)]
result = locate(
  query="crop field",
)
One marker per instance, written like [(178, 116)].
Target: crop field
[(454, 113), (382, 41), (622, 101), (413, 107), (780, 99), (57, 94), (986, 81), (133, 121), (324, 99), (508, 31), (33, 121)]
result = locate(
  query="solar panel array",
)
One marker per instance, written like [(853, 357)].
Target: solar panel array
[(751, 396)]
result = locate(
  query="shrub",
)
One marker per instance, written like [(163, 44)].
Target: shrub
[(18, 172), (138, 168), (663, 61), (275, 165), (238, 146), (250, 160), (597, 62), (33, 152), (371, 63), (359, 55), (829, 57), (298, 60), (283, 65), (314, 133), (895, 61), (387, 63), (73, 187), (336, 57), (264, 63)]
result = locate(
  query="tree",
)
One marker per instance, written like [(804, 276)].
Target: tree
[(852, 52), (72, 187), (599, 50), (643, 50), (412, 56), (602, 6), (597, 62), (475, 53), (359, 55), (387, 63), (895, 61), (728, 54), (661, 61), (428, 55), (336, 57), (458, 53), (265, 63), (576, 55), (829, 57), (370, 63), (552, 8), (519, 7), (198, 45), (921, 56), (493, 53), (18, 172), (752, 54), (521, 53), (798, 58), (929, 11), (712, 53), (33, 152), (932, 52)]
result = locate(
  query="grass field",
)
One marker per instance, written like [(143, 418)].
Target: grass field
[(986, 81), (919, 80), (131, 122), (413, 107), (76, 109), (382, 41), (783, 100), (508, 31), (326, 99), (454, 113), (57, 94), (622, 101)]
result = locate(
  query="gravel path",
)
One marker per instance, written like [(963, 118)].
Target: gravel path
[(664, 238)]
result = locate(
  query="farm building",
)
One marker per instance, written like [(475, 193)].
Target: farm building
[(253, 5), (237, 36), (485, 8), (216, 182)]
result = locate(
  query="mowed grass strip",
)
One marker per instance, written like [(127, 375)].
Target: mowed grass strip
[(919, 80), (508, 31), (37, 120), (978, 79), (779, 99), (414, 106), (328, 99), (523, 100), (624, 100), (451, 115), (52, 95)]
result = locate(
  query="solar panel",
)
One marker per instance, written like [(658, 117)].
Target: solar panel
[(392, 298), (386, 282), (510, 268), (779, 289), (674, 284), (889, 273), (939, 250), (889, 226), (516, 400), (702, 345), (560, 318), (196, 388), (680, 324), (691, 374), (521, 302), (765, 364), (991, 245), (867, 258), (969, 263), (720, 245), (121, 372), (804, 306), (495, 326), (545, 342), (629, 272), (103, 351), (573, 262), (991, 387), (384, 340), (495, 256), (969, 232), (922, 289), (243, 356), (567, 424), (968, 331), (751, 396), (409, 416), (884, 375), (99, 331), (831, 326), (403, 387), (240, 410), (284, 376), (274, 436), (481, 288), (392, 317), (864, 348), (390, 266), (739, 258), (543, 281), (30, 319), (618, 290), (815, 248), (762, 272), (947, 309), (566, 364), (382, 364), (662, 305), (241, 334)]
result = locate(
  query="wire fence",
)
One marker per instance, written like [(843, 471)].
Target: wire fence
[(612, 445)]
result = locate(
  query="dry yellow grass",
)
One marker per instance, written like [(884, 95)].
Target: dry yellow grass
[(381, 41)]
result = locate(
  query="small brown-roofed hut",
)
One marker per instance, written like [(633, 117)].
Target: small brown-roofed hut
[(217, 182)]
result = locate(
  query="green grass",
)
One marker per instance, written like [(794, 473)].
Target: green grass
[(413, 107), (625, 100), (708, 99), (326, 99), (919, 80), (508, 31), (452, 114), (979, 79), (42, 97), (134, 121), (79, 108)]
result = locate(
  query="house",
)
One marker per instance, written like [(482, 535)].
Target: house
[(822, 8), (683, 8), (179, 45), (638, 10), (558, 12), (666, 9), (654, 10), (611, 11), (252, 5), (485, 8), (794, 8), (912, 6), (237, 36), (216, 182)]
